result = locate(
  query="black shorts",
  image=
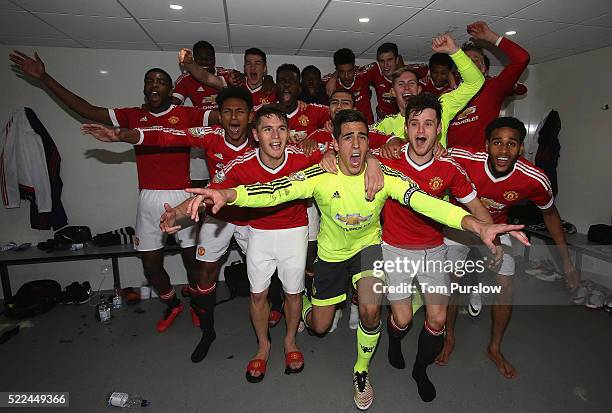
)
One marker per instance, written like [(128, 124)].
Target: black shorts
[(329, 284)]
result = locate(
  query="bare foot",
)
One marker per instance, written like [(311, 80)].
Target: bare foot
[(289, 347), (505, 368), (449, 346), (262, 353)]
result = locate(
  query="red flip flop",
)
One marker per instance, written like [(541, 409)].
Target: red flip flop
[(274, 318), (294, 357), (258, 365)]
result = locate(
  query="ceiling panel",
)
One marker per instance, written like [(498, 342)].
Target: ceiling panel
[(109, 8), (96, 28), (98, 44), (565, 11), (574, 38), (489, 7), (525, 29), (344, 15), (186, 33), (193, 10), (263, 37), (410, 47), (334, 40), (407, 3), (274, 12), (38, 41), (317, 53), (172, 47), (22, 23), (7, 5), (430, 23), (602, 21)]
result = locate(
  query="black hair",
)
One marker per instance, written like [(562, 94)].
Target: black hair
[(311, 68), (440, 59), (486, 61), (257, 52), (387, 47), (471, 46), (234, 92), (270, 110), (342, 90), (506, 122), (347, 116), (201, 46), (422, 101), (344, 56), (162, 71), (288, 67)]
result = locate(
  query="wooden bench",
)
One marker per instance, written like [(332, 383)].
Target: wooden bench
[(34, 255), (577, 242)]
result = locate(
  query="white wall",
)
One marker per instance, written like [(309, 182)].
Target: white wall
[(100, 183), (577, 87)]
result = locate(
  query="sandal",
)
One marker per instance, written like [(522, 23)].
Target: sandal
[(294, 357), (274, 318), (258, 365)]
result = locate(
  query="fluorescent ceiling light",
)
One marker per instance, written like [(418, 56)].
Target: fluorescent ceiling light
[(103, 72), (510, 32), (176, 7), (364, 19)]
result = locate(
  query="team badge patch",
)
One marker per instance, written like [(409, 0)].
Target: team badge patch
[(201, 251), (467, 112), (436, 183), (490, 204), (219, 177), (511, 195), (297, 176), (199, 131), (304, 121), (173, 120), (352, 219)]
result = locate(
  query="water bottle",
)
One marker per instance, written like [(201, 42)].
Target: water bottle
[(104, 312), (74, 247), (117, 298), (119, 399)]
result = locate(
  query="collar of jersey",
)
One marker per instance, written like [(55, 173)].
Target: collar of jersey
[(490, 174), (292, 114), (413, 163), (382, 74), (165, 112), (257, 89), (267, 168), (232, 147)]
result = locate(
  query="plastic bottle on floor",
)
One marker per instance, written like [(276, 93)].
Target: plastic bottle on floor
[(117, 301), (119, 399)]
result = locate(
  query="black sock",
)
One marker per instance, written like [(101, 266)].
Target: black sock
[(308, 280), (394, 353), (275, 293), (430, 346), (204, 305)]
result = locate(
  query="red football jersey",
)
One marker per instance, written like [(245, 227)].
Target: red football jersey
[(525, 181), (468, 128), (386, 103), (249, 169), (259, 98), (324, 137), (160, 168), (218, 153), (360, 86), (306, 121), (427, 85), (405, 228), (201, 96)]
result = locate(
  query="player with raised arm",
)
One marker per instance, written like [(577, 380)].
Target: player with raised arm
[(349, 241), (503, 178), (221, 145), (157, 183)]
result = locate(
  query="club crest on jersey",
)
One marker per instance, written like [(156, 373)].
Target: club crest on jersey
[(352, 219), (490, 204), (173, 120), (436, 183), (511, 196), (467, 112), (198, 131), (304, 121), (297, 176)]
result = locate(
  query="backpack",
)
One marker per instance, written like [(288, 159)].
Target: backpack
[(237, 281), (600, 233), (33, 298)]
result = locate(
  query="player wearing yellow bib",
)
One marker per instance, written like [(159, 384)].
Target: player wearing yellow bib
[(350, 235)]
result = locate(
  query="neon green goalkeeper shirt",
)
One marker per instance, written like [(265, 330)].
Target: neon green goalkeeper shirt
[(349, 222), (452, 102)]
